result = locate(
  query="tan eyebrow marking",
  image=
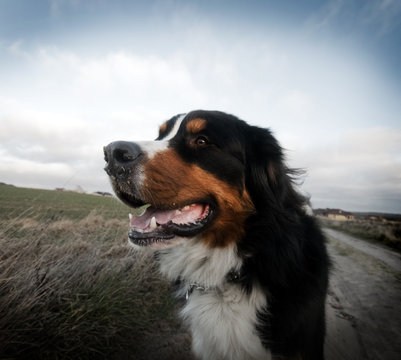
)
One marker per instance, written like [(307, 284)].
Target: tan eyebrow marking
[(196, 125)]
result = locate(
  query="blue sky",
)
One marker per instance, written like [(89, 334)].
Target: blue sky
[(323, 75)]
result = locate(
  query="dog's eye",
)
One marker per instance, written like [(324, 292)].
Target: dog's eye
[(201, 141)]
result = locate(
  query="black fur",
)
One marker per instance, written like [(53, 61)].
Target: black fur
[(283, 248)]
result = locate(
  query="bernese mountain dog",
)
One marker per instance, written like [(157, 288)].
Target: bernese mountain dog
[(218, 205)]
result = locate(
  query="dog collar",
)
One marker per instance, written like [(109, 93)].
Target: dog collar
[(232, 277)]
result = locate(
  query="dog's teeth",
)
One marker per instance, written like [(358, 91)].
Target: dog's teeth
[(130, 216), (153, 224), (178, 212), (186, 207)]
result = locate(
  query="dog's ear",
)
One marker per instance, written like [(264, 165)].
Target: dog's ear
[(268, 180)]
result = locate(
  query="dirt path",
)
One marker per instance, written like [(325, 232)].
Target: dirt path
[(364, 302), (379, 252)]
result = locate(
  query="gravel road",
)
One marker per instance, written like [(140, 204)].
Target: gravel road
[(364, 302)]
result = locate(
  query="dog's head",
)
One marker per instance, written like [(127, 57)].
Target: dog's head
[(204, 176)]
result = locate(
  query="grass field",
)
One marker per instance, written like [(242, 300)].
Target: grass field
[(385, 232), (49, 205), (70, 287)]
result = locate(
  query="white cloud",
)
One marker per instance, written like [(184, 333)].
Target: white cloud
[(24, 172), (122, 79), (141, 74), (59, 106), (57, 134), (33, 134), (362, 170)]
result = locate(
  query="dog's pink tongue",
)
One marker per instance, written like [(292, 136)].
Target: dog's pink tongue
[(187, 214)]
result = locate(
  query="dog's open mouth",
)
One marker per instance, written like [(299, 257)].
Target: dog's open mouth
[(157, 225)]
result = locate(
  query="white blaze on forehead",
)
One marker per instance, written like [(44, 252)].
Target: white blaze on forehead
[(151, 148), (174, 130)]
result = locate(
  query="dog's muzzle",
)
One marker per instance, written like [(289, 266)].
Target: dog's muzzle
[(121, 156)]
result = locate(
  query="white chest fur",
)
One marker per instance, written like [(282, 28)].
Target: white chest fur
[(222, 319), (223, 324)]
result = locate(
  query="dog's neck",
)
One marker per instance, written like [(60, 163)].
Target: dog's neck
[(193, 262), (231, 278)]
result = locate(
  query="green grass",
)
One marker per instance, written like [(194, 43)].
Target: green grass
[(47, 204), (70, 287)]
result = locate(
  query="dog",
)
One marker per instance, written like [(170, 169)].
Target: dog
[(219, 207)]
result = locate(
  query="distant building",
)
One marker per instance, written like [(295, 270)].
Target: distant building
[(335, 214)]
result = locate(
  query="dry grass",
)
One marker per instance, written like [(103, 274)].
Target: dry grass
[(73, 289), (387, 233)]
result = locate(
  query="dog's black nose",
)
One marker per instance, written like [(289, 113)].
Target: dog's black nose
[(121, 155)]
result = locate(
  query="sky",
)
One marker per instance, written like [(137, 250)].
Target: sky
[(324, 76)]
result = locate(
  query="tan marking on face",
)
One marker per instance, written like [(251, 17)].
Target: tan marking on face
[(196, 125), (171, 182), (163, 128)]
